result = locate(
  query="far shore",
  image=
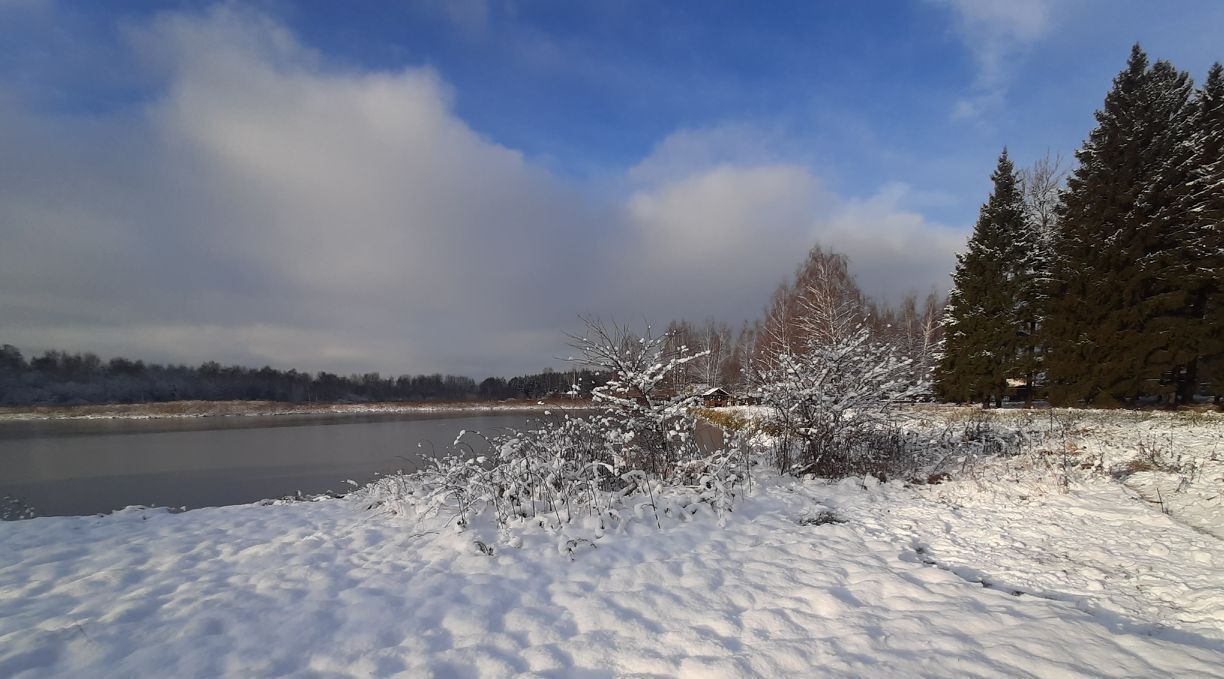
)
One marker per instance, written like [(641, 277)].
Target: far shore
[(178, 409)]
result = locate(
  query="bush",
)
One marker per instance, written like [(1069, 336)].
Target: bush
[(834, 406), (640, 444)]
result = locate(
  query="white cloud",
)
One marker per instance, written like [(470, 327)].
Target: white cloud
[(995, 32), (268, 207), (471, 19), (687, 151), (748, 226), (266, 189), (722, 237), (894, 250)]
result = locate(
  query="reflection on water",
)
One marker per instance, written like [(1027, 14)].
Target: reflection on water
[(92, 466)]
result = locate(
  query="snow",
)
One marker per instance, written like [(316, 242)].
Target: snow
[(996, 572), (1187, 456), (1108, 587), (1174, 460)]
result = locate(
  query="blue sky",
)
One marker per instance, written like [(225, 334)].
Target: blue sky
[(624, 133)]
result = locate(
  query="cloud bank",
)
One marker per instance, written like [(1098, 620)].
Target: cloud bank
[(265, 205)]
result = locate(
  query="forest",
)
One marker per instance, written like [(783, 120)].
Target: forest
[(59, 377)]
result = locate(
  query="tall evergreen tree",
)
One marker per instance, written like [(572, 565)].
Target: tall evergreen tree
[(1108, 328), (1203, 222), (1154, 346), (981, 343)]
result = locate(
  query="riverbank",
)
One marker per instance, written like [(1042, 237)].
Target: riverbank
[(1049, 559), (927, 581), (182, 409)]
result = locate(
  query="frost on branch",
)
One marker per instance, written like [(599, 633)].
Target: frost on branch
[(651, 426), (635, 459), (832, 385)]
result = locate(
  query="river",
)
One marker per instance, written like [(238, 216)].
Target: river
[(75, 467)]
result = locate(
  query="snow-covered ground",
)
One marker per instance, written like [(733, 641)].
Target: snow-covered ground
[(1001, 571), (1173, 460)]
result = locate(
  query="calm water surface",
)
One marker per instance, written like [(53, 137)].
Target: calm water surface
[(92, 466)]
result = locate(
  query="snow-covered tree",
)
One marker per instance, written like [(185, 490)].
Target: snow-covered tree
[(832, 386), (915, 331), (717, 367), (1112, 323), (1040, 186), (828, 402), (981, 323), (1200, 223), (822, 300)]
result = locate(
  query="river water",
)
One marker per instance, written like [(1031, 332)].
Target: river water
[(95, 466)]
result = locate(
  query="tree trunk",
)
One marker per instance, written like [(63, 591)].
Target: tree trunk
[(1187, 384), (1030, 376)]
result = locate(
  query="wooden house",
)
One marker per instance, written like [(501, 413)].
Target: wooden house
[(715, 398)]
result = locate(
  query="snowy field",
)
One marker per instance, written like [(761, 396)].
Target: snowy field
[(1043, 565)]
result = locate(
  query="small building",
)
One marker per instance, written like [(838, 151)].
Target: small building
[(1017, 389), (715, 398)]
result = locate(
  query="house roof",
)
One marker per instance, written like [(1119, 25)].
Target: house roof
[(715, 391)]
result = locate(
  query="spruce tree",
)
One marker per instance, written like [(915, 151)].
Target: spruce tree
[(981, 342), (1096, 196), (1156, 315), (1108, 325), (1175, 268), (1203, 222)]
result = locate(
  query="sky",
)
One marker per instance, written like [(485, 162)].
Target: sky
[(432, 186)]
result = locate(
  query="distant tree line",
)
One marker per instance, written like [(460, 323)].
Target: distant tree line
[(62, 378), (546, 384), (1108, 291)]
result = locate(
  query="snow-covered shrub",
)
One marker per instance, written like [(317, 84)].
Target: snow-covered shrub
[(719, 477), (650, 427), (834, 405), (458, 483), (1020, 454), (638, 453), (558, 472), (1155, 453), (981, 432), (818, 516), (561, 468), (13, 509), (831, 374)]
